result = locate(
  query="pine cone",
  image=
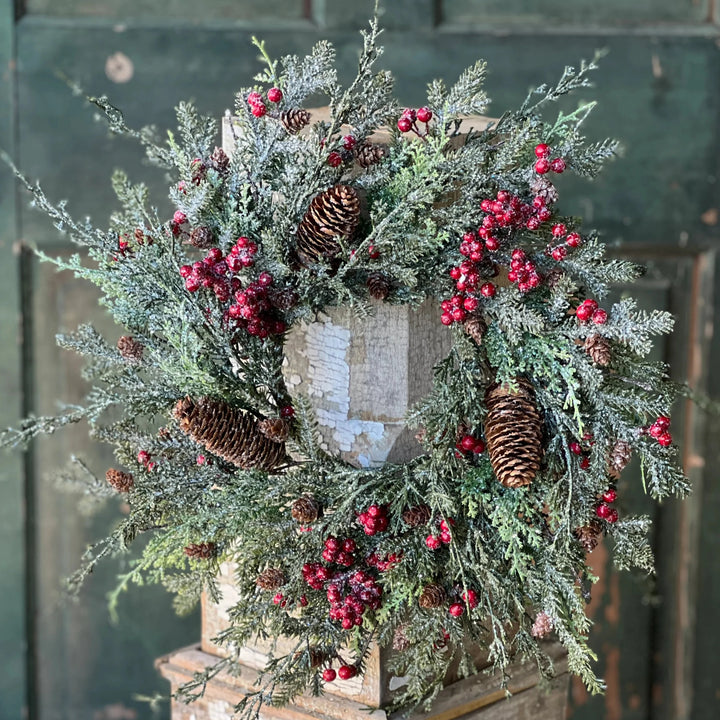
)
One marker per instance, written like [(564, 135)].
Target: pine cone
[(220, 161), (599, 349), (316, 657), (368, 154), (589, 535), (401, 642), (202, 237), (130, 349), (283, 299), (200, 551), (542, 626), (514, 433), (305, 510), (619, 457), (545, 189), (121, 481), (553, 277), (416, 516), (199, 171), (332, 213), (228, 432), (141, 237), (432, 596), (275, 429), (270, 579), (379, 285), (475, 326), (294, 119)]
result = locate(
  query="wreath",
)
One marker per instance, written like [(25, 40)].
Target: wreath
[(481, 538)]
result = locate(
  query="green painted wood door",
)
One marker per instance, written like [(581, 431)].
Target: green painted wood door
[(659, 90)]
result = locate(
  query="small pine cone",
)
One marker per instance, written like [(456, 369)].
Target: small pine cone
[(199, 172), (228, 432), (130, 349), (283, 299), (475, 326), (379, 285), (295, 119), (433, 596), (542, 626), (305, 510), (368, 154), (514, 433), (589, 535), (599, 349), (220, 161), (553, 277), (400, 642), (275, 429), (334, 212), (416, 516), (141, 238), (316, 657), (543, 188), (270, 579), (200, 551), (202, 237), (619, 457), (121, 481)]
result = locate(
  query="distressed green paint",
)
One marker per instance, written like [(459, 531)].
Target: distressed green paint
[(12, 571), (206, 10), (395, 15), (579, 13)]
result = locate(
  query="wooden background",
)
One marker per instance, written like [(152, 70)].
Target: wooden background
[(659, 91)]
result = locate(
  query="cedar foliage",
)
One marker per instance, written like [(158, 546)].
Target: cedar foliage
[(520, 549)]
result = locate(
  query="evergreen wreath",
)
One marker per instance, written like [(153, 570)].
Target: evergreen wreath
[(534, 413)]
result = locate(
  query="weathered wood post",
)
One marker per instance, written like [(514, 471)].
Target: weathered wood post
[(361, 375)]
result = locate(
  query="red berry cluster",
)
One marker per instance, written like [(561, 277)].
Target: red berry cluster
[(523, 271), (350, 595), (469, 444), (257, 103), (385, 563), (445, 537), (123, 249), (588, 310), (604, 510), (660, 430), (253, 310), (571, 240), (467, 279), (145, 459), (543, 164), (344, 672), (282, 601), (409, 118), (509, 212), (577, 449), (340, 551), (374, 519)]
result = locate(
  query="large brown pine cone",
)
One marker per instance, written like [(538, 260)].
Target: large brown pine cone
[(202, 237), (270, 579), (294, 119), (619, 457), (599, 349), (432, 596), (369, 154), (275, 429), (305, 510), (514, 433), (130, 349), (418, 515), (333, 213), (121, 481), (228, 432), (589, 535), (378, 285), (200, 551), (475, 326)]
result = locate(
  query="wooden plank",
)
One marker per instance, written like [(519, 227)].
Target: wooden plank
[(580, 13), (395, 15), (207, 10), (13, 679)]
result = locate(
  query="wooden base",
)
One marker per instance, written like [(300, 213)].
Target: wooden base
[(474, 697)]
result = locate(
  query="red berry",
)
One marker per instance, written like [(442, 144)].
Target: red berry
[(433, 542), (471, 304), (542, 166), (655, 430), (446, 319), (544, 214), (275, 95), (254, 98), (375, 511), (542, 150), (559, 253), (467, 443), (599, 317), (329, 675), (278, 598), (585, 464), (456, 609), (533, 223), (487, 290), (287, 411), (458, 315), (143, 457), (373, 252), (445, 537), (179, 217), (559, 230), (492, 243), (610, 495), (583, 313), (573, 239), (259, 110), (470, 598), (345, 672), (663, 421), (575, 448), (603, 511), (665, 439), (424, 114), (334, 159), (404, 124), (185, 270), (612, 516), (410, 114), (265, 279), (201, 460), (558, 165), (479, 447), (349, 142)]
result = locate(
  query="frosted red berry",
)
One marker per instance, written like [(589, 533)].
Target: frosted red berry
[(433, 542), (404, 124), (349, 142), (456, 609), (558, 165), (334, 159), (487, 290), (610, 495), (600, 317), (585, 464), (559, 253), (179, 217), (612, 516), (275, 95), (542, 166), (603, 510), (575, 448), (287, 411), (471, 598), (665, 439), (542, 150), (329, 675), (573, 239), (259, 109), (559, 229), (424, 114)]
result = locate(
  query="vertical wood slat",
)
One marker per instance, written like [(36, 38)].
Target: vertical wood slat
[(13, 679)]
